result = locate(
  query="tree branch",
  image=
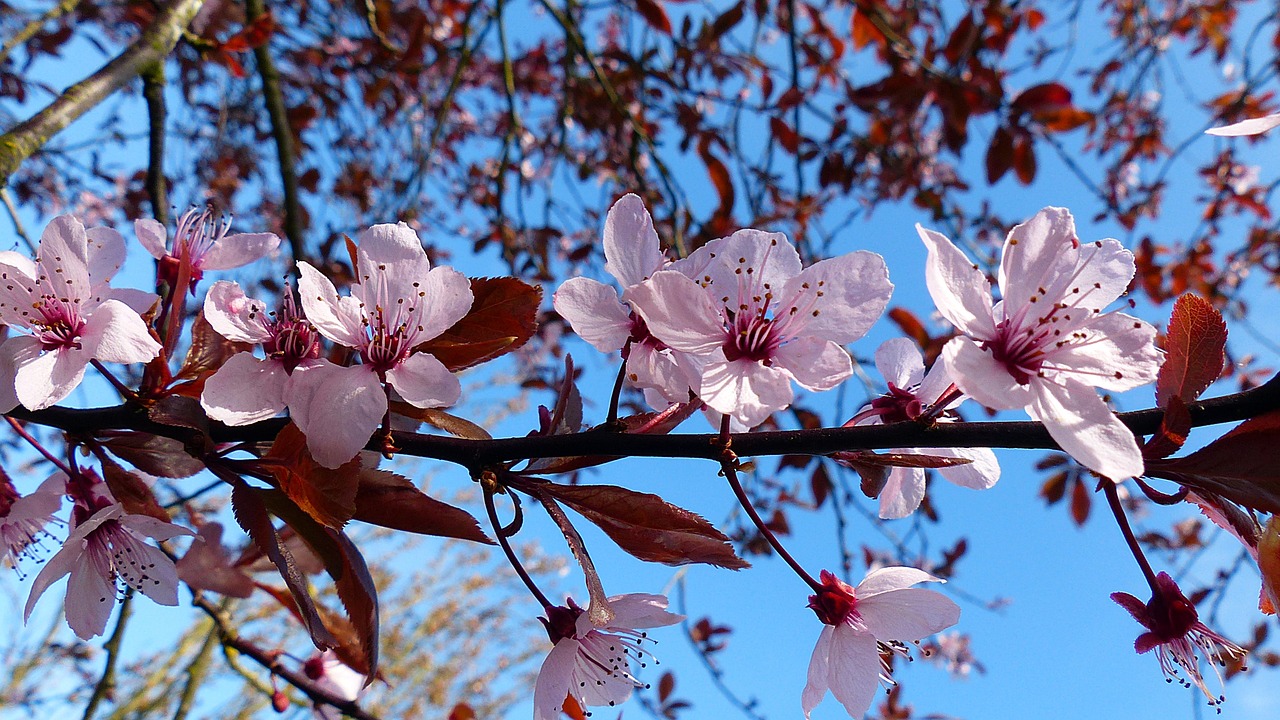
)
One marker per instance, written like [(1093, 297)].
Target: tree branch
[(283, 134), (484, 453), (155, 43), (30, 29)]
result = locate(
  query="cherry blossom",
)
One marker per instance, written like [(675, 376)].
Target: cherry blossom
[(333, 676), (881, 613), (1047, 344), (745, 320), (70, 312), (102, 553), (1251, 126), (1175, 632), (399, 302), (913, 393), (246, 388), (23, 517), (593, 664), (202, 241), (632, 254)]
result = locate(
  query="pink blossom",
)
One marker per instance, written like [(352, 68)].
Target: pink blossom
[(23, 517), (399, 302), (1047, 344), (593, 664), (745, 320), (333, 676), (881, 614), (246, 388), (632, 254), (1251, 126), (201, 239), (912, 393), (101, 554), (70, 312), (1175, 632)]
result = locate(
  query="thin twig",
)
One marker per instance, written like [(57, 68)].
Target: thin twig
[(153, 92), (30, 29), (21, 231)]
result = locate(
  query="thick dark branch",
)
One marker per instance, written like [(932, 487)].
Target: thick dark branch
[(482, 453), (273, 96), (151, 47)]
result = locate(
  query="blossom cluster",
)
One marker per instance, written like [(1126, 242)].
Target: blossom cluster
[(727, 329)]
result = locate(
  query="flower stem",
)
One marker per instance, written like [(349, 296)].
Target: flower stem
[(120, 387), (17, 427), (617, 392), (510, 553), (728, 463), (1113, 499)]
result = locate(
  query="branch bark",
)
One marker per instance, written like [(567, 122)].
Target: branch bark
[(155, 43), (477, 454)]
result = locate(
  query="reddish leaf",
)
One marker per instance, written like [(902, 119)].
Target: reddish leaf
[(391, 500), (1174, 427), (653, 14), (644, 423), (883, 459), (462, 711), (178, 411), (647, 526), (1042, 98), (1080, 502), (820, 485), (864, 31), (782, 131), (1024, 159), (130, 490), (666, 684), (1054, 488), (152, 454), (252, 515), (503, 316), (325, 494), (1195, 348), (719, 175), (1269, 565), (1239, 466), (208, 351), (207, 566), (441, 420), (999, 155), (253, 35)]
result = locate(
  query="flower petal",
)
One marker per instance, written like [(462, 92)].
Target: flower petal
[(1086, 428), (43, 379), (815, 363), (91, 596), (106, 252), (447, 297), (959, 289), (900, 362), (234, 315), (837, 299), (1105, 270), (1038, 254), (153, 237), (744, 266), (389, 243), (745, 389), (902, 493), (9, 350), (339, 319), (554, 678), (238, 250), (909, 614), (855, 669), (115, 333), (678, 312), (425, 382), (337, 408), (819, 672), (1251, 126), (630, 243), (890, 579), (976, 372), (593, 310), (60, 564), (980, 474), (1119, 353), (637, 611), (649, 367), (245, 390), (63, 258)]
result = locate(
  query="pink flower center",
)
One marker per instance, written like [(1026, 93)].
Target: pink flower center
[(752, 336), (835, 603), (293, 338), (1019, 351), (197, 233), (117, 553), (640, 334), (897, 405), (59, 325)]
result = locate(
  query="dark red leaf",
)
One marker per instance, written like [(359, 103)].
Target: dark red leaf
[(820, 485), (1172, 434), (999, 155), (152, 454), (503, 316), (252, 515), (653, 14), (647, 526), (1024, 159), (131, 491), (1239, 466), (390, 500), (785, 134), (328, 495), (1195, 348), (208, 351), (1042, 98), (1080, 502)]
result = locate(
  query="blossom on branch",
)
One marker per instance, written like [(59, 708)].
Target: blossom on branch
[(593, 664), (334, 677), (247, 389), (877, 616), (201, 241), (745, 319), (1175, 632), (1047, 344), (23, 517), (399, 302), (912, 392), (71, 314), (632, 254), (103, 553)]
